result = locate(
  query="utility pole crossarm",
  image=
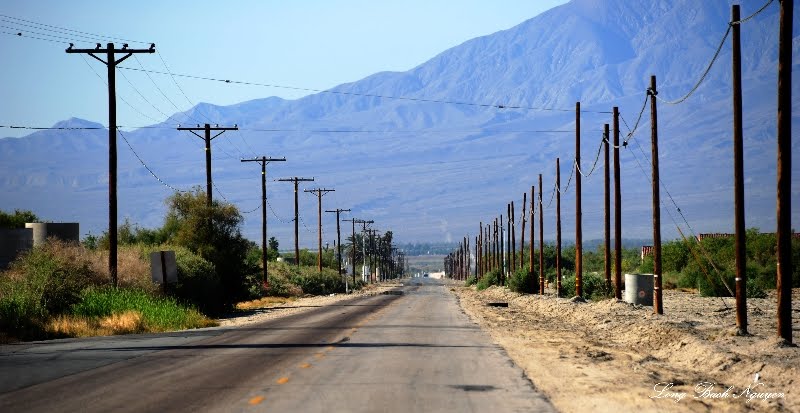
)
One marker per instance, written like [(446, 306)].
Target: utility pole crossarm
[(111, 63), (339, 242), (207, 128), (264, 161), (319, 192), (296, 180)]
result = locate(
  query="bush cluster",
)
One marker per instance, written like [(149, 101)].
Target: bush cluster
[(523, 281), (493, 277)]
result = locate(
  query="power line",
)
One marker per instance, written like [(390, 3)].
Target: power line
[(599, 148), (161, 91), (72, 30), (135, 89), (252, 210), (118, 95), (746, 19), (20, 34), (145, 165), (339, 92), (20, 30)]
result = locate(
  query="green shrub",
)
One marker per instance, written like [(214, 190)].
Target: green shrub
[(198, 285), (158, 313), (43, 282), (492, 277), (472, 280), (594, 286), (523, 281), (311, 281), (280, 286), (50, 278)]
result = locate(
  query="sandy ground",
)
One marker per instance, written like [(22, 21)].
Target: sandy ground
[(609, 356), (272, 310)]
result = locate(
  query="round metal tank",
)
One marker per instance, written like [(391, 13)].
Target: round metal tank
[(65, 231), (639, 289)]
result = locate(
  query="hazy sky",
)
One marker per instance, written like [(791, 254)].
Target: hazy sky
[(308, 44)]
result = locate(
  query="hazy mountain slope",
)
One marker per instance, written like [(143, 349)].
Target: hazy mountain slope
[(432, 171)]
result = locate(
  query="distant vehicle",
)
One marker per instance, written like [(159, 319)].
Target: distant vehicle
[(425, 275)]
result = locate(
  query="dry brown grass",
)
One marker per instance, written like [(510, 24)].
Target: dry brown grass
[(133, 269), (263, 303), (128, 322)]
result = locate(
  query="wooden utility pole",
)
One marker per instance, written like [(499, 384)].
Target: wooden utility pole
[(207, 138), (339, 239), (264, 161), (578, 211), (353, 247), (617, 212), (477, 259), (607, 211), (740, 242), (364, 224), (513, 240), (558, 227), (111, 63), (296, 215), (657, 299), (481, 259), (497, 248), (319, 192), (489, 247), (541, 239), (533, 234), (784, 166), (502, 251), (522, 231)]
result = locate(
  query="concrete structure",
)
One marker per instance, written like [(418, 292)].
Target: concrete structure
[(65, 231), (12, 243), (15, 241), (639, 289)]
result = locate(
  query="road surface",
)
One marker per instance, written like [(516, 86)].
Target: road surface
[(413, 350)]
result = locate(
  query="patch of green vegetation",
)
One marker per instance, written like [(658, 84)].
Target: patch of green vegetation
[(158, 313)]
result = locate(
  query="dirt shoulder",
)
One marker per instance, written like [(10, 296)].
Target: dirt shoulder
[(609, 356), (275, 307)]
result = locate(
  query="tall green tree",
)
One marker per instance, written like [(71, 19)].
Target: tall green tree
[(215, 234), (17, 219)]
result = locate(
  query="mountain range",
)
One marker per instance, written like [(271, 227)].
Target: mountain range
[(430, 152)]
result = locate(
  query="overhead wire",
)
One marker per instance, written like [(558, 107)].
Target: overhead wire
[(21, 34), (122, 135), (669, 213), (135, 89), (371, 95), (597, 158), (122, 98), (161, 91), (58, 29), (713, 58)]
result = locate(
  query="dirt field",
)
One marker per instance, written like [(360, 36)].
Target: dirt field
[(610, 356)]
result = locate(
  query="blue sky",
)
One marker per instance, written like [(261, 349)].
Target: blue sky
[(308, 44)]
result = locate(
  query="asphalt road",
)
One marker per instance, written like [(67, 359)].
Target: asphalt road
[(410, 351)]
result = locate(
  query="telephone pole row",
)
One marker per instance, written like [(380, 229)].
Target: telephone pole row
[(264, 161)]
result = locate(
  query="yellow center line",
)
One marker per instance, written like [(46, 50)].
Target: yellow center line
[(305, 365), (256, 400), (282, 380)]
